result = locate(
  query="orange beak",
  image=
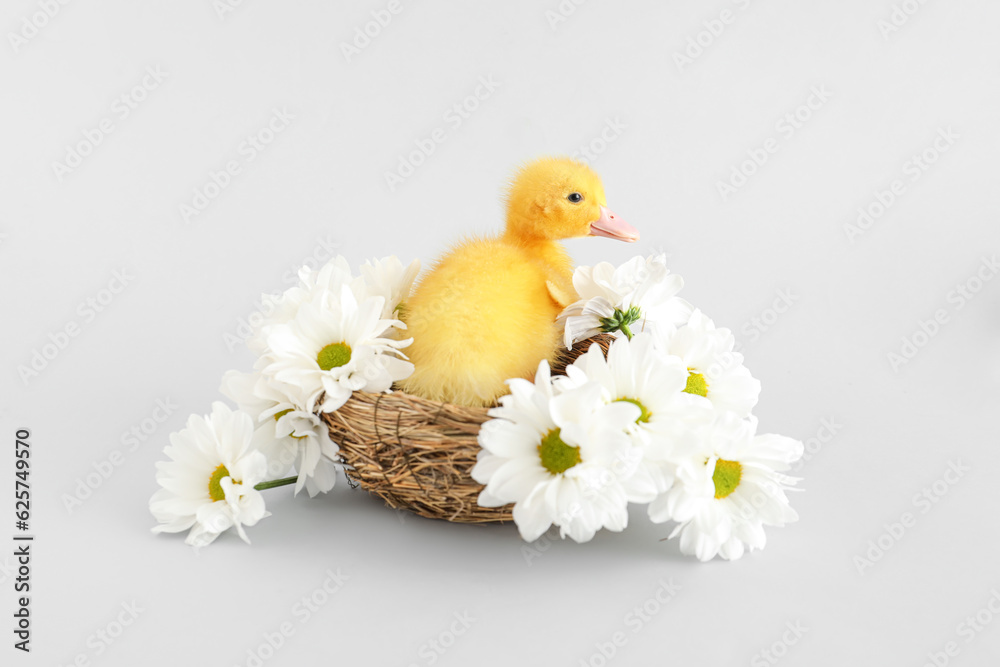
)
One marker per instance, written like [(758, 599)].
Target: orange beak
[(611, 226)]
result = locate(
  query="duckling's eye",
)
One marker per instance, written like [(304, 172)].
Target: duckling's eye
[(575, 197)]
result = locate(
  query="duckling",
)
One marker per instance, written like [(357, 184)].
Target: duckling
[(486, 311)]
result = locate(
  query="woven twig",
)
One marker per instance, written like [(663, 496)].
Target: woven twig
[(418, 454), (565, 357)]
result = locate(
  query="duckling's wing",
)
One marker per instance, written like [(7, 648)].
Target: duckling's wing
[(559, 295)]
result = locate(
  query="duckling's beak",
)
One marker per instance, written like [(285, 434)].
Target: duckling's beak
[(611, 226)]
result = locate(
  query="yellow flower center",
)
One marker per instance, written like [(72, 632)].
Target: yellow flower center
[(279, 415), (696, 384), (215, 491), (644, 416), (726, 477), (334, 355), (556, 455)]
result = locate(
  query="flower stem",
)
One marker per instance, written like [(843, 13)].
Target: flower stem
[(626, 330), (276, 482)]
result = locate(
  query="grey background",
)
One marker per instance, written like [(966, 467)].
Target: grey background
[(897, 430)]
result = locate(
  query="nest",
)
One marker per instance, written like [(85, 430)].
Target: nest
[(417, 455)]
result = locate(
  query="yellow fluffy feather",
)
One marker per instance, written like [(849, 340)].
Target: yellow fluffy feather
[(486, 311)]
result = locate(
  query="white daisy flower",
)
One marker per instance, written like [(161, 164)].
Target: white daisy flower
[(386, 277), (290, 435), (312, 282), (550, 453), (335, 347), (317, 458), (637, 296), (636, 372), (389, 279), (716, 370), (725, 496), (208, 484)]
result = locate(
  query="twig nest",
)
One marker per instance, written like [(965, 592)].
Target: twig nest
[(418, 454)]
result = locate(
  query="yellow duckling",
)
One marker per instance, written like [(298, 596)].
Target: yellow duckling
[(486, 312)]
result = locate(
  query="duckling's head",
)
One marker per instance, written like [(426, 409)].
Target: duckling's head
[(559, 198)]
